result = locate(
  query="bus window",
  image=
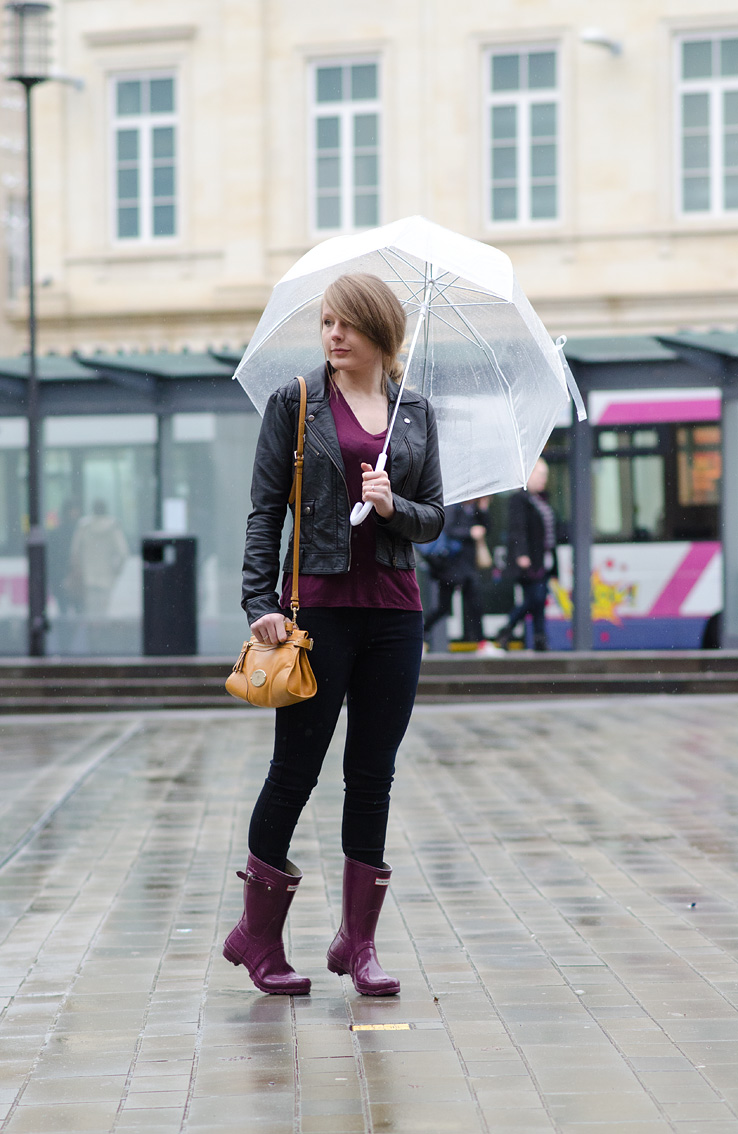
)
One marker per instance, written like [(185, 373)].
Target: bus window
[(699, 464), (628, 486)]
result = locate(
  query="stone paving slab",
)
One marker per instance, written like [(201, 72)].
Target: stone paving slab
[(563, 916)]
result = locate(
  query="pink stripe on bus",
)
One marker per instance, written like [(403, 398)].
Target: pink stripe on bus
[(695, 562), (646, 413)]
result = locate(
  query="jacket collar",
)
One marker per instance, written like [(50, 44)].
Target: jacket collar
[(318, 389)]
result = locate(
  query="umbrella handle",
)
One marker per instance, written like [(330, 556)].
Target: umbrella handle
[(359, 512)]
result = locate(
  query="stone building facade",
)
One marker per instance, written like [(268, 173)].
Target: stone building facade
[(216, 140)]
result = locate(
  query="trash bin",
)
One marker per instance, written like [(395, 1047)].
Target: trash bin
[(169, 594)]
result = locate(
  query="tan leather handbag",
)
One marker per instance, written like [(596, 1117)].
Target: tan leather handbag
[(276, 676)]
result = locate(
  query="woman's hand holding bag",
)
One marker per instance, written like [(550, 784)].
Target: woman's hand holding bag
[(276, 675)]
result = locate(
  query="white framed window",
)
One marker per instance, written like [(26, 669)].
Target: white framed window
[(522, 114), (145, 156), (345, 141), (707, 116)]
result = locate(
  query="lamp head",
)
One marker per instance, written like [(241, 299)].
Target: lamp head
[(599, 38), (27, 41)]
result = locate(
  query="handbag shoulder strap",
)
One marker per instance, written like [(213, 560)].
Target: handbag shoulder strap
[(296, 495)]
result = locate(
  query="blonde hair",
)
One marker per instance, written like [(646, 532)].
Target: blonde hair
[(369, 305)]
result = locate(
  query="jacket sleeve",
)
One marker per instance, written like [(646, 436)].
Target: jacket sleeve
[(517, 529), (420, 520), (270, 489)]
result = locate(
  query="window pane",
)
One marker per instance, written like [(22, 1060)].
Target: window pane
[(366, 210), (730, 188), (543, 120), (504, 163), (127, 222), (541, 69), (730, 108), (607, 492), (366, 170), (695, 110), (129, 97), (696, 194), (729, 57), (696, 151), (329, 212), (162, 96), (504, 205), (697, 59), (543, 202), (128, 184), (364, 80), (329, 173), (327, 133), (329, 82), (504, 122), (128, 145), (164, 181), (648, 497), (163, 142), (645, 439), (730, 151), (366, 132), (505, 72), (543, 161), (163, 220)]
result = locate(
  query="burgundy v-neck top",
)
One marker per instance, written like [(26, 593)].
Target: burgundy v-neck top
[(367, 583)]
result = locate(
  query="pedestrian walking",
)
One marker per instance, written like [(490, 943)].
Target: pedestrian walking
[(98, 552), (531, 555), (359, 602), (464, 532)]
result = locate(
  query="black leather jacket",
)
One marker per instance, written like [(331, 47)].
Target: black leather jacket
[(415, 476)]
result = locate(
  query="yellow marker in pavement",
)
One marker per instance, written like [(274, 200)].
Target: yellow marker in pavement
[(380, 1027)]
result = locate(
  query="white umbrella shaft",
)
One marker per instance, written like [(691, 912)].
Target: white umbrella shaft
[(359, 512)]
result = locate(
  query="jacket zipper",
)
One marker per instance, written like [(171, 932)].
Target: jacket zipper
[(339, 470)]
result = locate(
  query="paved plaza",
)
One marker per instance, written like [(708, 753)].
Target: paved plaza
[(563, 916)]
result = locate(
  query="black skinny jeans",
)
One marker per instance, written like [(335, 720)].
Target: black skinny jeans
[(371, 657)]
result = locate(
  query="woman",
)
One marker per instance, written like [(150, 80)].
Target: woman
[(531, 553), (360, 603), (466, 525)]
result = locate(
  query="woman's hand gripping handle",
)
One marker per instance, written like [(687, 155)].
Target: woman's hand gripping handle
[(376, 492)]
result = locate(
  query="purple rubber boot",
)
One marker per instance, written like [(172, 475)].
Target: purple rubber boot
[(353, 951), (256, 941)]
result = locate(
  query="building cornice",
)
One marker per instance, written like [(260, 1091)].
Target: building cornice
[(123, 36)]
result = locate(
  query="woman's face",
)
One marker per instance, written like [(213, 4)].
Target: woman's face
[(346, 348)]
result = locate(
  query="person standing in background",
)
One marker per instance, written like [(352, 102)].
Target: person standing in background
[(465, 527), (531, 554), (97, 554)]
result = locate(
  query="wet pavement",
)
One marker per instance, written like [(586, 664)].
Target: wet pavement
[(563, 916)]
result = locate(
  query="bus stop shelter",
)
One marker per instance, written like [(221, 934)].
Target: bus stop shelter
[(167, 383)]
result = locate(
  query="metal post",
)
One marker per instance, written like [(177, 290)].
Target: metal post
[(729, 517), (36, 541), (580, 471)]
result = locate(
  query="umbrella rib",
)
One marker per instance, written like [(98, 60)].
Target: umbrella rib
[(456, 330), (489, 352), (400, 278), (293, 311)]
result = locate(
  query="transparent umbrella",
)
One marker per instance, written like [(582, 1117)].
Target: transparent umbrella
[(475, 346)]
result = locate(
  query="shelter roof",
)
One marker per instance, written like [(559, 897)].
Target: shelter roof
[(618, 348), (717, 342)]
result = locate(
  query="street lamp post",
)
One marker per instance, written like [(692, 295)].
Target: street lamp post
[(27, 45)]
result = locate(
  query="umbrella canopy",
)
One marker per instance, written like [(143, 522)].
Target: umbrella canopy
[(481, 354)]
